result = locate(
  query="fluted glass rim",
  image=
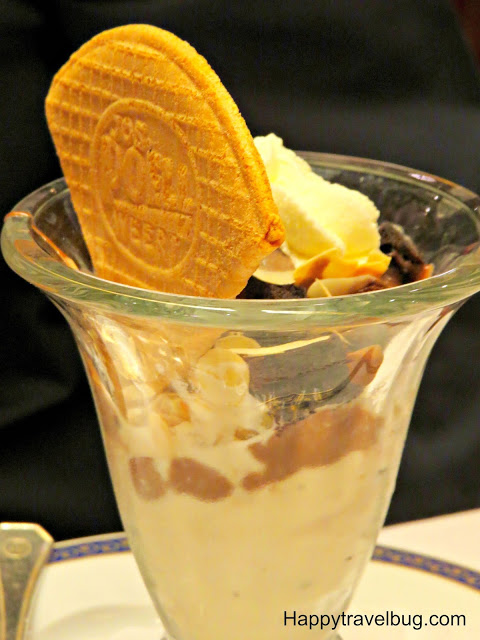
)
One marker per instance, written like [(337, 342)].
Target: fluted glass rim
[(59, 281)]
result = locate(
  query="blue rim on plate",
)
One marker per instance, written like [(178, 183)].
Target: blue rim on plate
[(117, 543)]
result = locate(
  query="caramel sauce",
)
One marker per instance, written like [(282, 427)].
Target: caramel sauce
[(198, 480), (321, 439)]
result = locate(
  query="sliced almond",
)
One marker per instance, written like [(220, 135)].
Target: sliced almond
[(364, 364), (324, 288), (313, 269), (275, 277)]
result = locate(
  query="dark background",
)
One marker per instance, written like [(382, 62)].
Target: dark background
[(395, 81)]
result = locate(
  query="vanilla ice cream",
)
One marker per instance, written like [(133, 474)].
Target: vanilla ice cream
[(331, 230), (234, 514)]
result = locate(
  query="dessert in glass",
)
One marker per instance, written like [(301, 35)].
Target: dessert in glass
[(253, 391), (254, 444)]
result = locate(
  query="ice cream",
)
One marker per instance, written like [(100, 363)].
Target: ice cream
[(241, 500), (321, 217), (333, 243)]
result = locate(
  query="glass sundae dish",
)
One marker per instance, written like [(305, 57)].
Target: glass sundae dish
[(253, 444)]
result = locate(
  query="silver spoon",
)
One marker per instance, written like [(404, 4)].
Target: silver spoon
[(24, 549)]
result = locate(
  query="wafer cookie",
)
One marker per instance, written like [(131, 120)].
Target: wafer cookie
[(164, 176)]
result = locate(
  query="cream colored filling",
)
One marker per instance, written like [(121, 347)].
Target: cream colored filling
[(229, 569)]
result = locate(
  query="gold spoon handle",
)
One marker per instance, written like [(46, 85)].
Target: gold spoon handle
[(24, 549)]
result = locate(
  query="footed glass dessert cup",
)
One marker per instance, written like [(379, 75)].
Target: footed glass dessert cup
[(253, 445)]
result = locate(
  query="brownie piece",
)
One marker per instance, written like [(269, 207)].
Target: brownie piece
[(258, 290), (407, 264)]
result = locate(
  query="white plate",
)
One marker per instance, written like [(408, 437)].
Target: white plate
[(91, 589)]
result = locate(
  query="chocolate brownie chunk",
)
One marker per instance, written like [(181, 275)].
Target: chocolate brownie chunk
[(407, 264), (258, 290)]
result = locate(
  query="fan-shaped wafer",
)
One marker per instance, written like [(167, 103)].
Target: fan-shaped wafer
[(169, 189)]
